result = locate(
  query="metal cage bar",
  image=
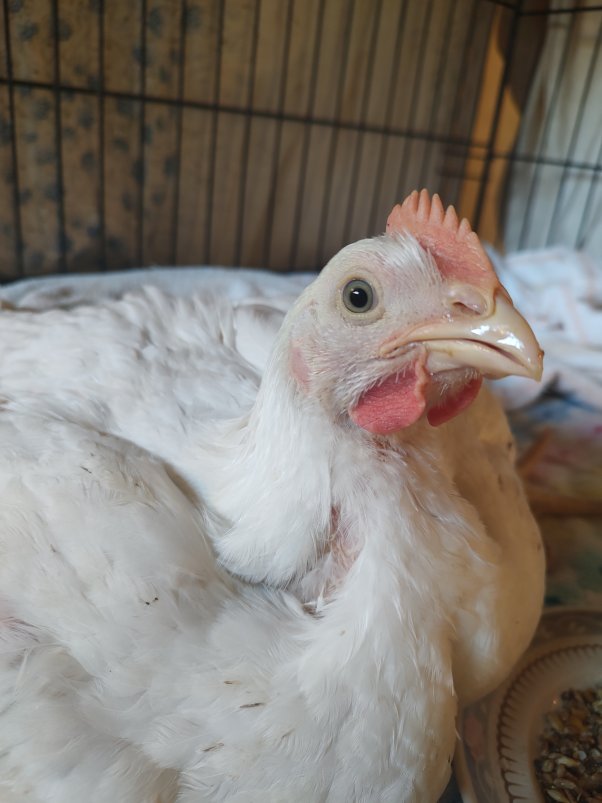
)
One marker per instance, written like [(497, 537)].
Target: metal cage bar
[(390, 108)]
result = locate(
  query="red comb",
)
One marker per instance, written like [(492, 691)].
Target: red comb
[(454, 245)]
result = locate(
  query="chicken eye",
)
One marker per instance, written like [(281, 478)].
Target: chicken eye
[(358, 296)]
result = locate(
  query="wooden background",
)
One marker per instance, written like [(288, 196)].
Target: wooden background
[(247, 132)]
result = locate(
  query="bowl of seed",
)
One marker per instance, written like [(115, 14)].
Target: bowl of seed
[(538, 738)]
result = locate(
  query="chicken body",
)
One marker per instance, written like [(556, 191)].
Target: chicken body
[(148, 472), (125, 643)]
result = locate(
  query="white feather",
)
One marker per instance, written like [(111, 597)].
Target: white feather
[(212, 589)]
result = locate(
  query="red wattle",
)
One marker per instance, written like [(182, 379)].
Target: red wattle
[(394, 404), (452, 405)]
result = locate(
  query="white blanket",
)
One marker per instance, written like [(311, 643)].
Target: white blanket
[(560, 293)]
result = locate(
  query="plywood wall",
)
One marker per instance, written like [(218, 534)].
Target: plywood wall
[(253, 132)]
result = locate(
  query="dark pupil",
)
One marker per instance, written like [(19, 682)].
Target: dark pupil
[(358, 297)]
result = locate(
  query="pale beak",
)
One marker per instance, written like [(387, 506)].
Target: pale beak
[(497, 344)]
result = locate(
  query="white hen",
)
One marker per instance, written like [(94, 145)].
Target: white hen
[(393, 565)]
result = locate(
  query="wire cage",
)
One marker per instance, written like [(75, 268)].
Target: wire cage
[(271, 132)]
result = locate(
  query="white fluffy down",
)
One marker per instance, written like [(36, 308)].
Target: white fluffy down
[(210, 591)]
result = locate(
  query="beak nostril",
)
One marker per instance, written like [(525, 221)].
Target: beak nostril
[(466, 301), (466, 309)]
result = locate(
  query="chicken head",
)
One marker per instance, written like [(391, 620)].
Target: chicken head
[(407, 324)]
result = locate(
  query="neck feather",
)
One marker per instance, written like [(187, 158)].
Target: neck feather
[(305, 499), (271, 482)]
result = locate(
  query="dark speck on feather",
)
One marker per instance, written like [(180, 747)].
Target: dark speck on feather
[(251, 705), (215, 746)]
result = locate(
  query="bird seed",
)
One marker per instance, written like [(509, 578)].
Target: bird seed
[(569, 764)]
